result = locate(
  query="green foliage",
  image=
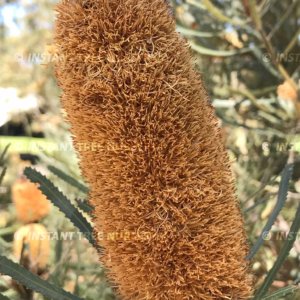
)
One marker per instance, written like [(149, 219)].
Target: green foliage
[(287, 246), (32, 281), (3, 168), (2, 156), (2, 297), (62, 202), (68, 179), (282, 293), (84, 206), (282, 195)]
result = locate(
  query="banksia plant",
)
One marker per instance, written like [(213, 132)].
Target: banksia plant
[(32, 247), (152, 152), (31, 205)]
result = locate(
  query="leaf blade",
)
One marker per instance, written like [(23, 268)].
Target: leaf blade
[(2, 297), (287, 246), (62, 202), (282, 293), (32, 281), (68, 179), (282, 195), (2, 156)]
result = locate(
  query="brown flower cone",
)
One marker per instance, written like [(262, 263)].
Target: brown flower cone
[(152, 152)]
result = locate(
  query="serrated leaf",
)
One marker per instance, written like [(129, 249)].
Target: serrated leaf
[(283, 292), (282, 195), (84, 206), (32, 281), (67, 178), (62, 202)]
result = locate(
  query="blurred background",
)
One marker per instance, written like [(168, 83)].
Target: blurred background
[(248, 53)]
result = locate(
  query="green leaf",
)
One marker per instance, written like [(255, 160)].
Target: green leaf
[(67, 178), (84, 206), (265, 60), (2, 167), (218, 14), (191, 32), (29, 144), (32, 281), (62, 202), (212, 52), (3, 154), (2, 174), (58, 248), (2, 297), (287, 246), (283, 292), (282, 195)]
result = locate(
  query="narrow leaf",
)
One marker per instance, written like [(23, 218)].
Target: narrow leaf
[(62, 202), (3, 154), (84, 206), (2, 174), (197, 33), (29, 144), (58, 248), (69, 179), (283, 292), (2, 297), (33, 282), (265, 60), (287, 246), (212, 52), (282, 195), (218, 14)]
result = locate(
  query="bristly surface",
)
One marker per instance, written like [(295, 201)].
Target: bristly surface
[(151, 150)]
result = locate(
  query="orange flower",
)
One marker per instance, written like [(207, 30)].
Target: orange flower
[(31, 205), (32, 247), (287, 92), (159, 172)]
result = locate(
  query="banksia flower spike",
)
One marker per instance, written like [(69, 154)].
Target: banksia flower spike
[(32, 247), (152, 153), (31, 205)]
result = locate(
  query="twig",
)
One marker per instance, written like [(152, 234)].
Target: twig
[(247, 93), (292, 43), (281, 21), (257, 21)]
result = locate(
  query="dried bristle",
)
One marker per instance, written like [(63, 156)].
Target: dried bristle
[(152, 152)]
